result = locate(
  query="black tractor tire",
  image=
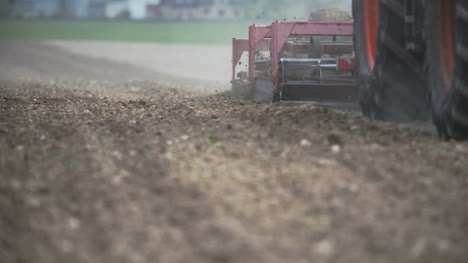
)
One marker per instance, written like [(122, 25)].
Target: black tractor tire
[(396, 88), (449, 100)]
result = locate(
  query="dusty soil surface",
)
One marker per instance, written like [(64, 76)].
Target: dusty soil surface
[(148, 171), (198, 62)]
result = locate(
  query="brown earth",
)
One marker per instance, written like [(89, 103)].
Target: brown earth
[(93, 170)]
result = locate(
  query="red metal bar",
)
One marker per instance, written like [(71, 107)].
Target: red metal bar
[(279, 35), (279, 32), (239, 46), (318, 28), (256, 35)]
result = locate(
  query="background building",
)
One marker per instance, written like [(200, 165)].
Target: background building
[(32, 8), (77, 9), (173, 10), (203, 9)]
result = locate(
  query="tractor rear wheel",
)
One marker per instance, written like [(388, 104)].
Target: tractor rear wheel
[(391, 80), (447, 46)]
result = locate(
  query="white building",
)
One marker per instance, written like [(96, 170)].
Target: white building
[(138, 8), (203, 9), (32, 8), (78, 9), (116, 8), (51, 8)]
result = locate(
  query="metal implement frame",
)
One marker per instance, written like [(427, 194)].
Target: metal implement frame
[(273, 37), (281, 31), (239, 46)]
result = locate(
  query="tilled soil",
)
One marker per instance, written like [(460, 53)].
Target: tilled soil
[(145, 171)]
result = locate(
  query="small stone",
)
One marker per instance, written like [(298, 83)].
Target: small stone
[(184, 137), (418, 249), (459, 148), (325, 248), (284, 154), (117, 154), (42, 137), (19, 147), (169, 155), (305, 143), (117, 180), (444, 245), (73, 223), (328, 162), (169, 142), (33, 202), (336, 148), (353, 188)]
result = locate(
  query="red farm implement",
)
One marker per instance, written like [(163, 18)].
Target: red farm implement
[(296, 61)]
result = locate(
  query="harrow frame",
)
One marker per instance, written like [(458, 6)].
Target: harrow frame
[(273, 38)]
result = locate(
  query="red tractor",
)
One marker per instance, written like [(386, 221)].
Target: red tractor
[(412, 61)]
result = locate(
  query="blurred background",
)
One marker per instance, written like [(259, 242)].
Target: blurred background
[(186, 21)]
